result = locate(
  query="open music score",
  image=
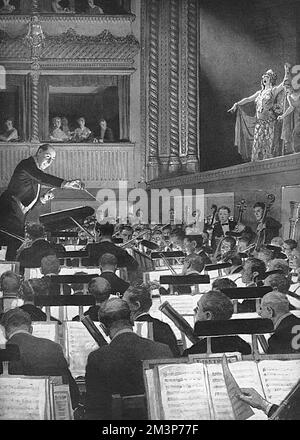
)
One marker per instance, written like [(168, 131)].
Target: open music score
[(47, 330), (24, 398), (201, 391), (78, 343)]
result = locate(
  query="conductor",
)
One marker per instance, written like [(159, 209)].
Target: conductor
[(23, 193)]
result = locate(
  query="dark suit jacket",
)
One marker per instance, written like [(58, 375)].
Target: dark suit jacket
[(25, 180), (108, 135), (281, 340), (32, 256), (117, 284), (272, 229), (117, 369), (42, 357), (96, 250), (222, 344), (162, 332), (218, 231)]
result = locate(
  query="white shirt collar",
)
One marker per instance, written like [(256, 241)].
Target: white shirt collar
[(19, 331)]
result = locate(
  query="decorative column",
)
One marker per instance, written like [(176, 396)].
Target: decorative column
[(35, 39), (153, 103), (174, 161), (35, 75), (193, 89)]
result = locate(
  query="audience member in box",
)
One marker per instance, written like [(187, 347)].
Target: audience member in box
[(11, 133)]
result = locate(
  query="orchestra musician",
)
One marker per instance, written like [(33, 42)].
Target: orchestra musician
[(270, 226), (23, 193), (223, 226)]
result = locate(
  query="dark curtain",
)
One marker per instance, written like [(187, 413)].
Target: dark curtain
[(124, 94)]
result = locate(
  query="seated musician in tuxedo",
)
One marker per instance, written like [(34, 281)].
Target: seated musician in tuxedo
[(215, 305), (279, 265), (10, 284), (139, 301), (275, 306), (193, 265), (99, 288), (35, 247), (50, 265), (30, 289), (288, 246), (270, 227), (38, 356), (280, 283), (108, 267), (253, 272), (223, 283), (117, 368), (266, 255), (177, 237), (222, 226), (106, 246), (193, 244)]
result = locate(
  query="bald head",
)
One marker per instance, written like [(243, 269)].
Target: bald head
[(274, 305), (100, 288), (45, 156), (115, 313), (278, 299)]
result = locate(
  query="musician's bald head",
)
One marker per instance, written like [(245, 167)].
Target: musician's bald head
[(115, 314), (45, 156), (100, 288), (50, 265)]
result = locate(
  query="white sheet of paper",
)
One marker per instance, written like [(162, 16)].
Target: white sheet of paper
[(184, 392), (22, 398), (278, 378)]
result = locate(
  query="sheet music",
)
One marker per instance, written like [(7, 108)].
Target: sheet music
[(152, 397), (23, 398), (241, 409), (247, 376), (79, 344), (2, 337), (45, 330), (62, 402), (221, 404), (278, 378), (184, 393), (183, 304), (141, 328)]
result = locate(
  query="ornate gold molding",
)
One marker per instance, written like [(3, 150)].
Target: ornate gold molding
[(269, 166), (129, 18), (72, 46)]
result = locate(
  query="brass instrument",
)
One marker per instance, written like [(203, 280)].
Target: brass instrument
[(294, 218)]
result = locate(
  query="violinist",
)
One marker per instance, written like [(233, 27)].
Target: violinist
[(269, 225), (223, 226), (35, 247), (226, 250), (193, 244)]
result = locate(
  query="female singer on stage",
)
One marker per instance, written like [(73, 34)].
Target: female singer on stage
[(23, 193), (266, 114)]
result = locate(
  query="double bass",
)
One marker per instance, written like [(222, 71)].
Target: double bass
[(261, 234)]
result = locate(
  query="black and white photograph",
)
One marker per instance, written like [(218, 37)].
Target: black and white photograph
[(149, 213)]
